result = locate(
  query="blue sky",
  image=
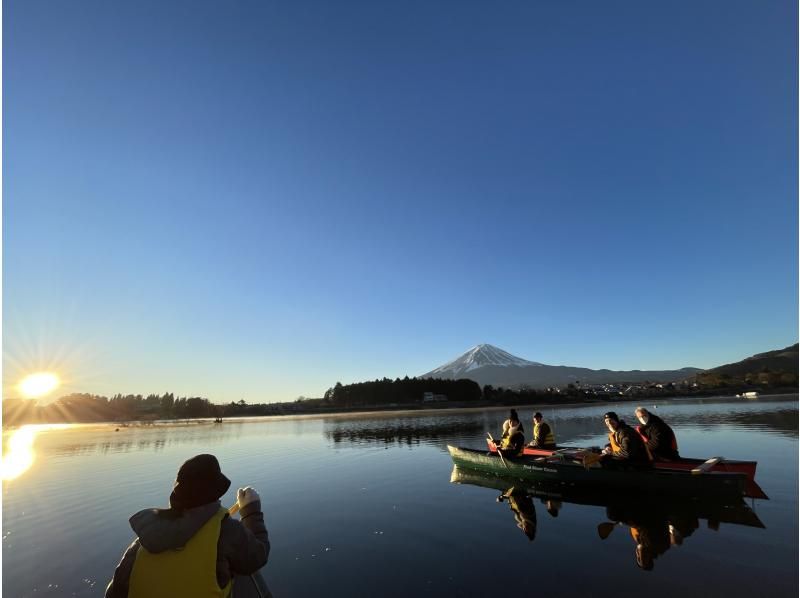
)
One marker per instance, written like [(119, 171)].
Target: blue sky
[(257, 199)]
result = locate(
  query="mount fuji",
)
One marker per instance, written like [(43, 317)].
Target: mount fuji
[(487, 364)]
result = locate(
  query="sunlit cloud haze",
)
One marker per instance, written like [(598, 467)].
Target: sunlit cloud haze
[(263, 198)]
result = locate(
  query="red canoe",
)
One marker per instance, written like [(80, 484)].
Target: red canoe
[(752, 489)]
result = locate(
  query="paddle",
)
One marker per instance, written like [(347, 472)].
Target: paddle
[(708, 465), (604, 529), (591, 459), (232, 511), (502, 459)]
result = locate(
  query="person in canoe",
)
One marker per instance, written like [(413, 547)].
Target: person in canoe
[(657, 435), (193, 548), (513, 420), (543, 436), (524, 511), (512, 443), (625, 447)]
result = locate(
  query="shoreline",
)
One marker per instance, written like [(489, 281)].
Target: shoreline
[(401, 412)]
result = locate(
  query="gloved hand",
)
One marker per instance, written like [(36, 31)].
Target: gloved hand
[(245, 496)]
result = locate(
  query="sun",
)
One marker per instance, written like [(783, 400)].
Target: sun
[(38, 384)]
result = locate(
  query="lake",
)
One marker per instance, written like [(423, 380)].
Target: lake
[(364, 505)]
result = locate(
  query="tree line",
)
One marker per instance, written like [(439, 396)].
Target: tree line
[(375, 394)]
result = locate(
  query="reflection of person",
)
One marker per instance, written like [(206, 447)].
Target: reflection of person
[(682, 526), (193, 548), (543, 436), (513, 440), (649, 531), (553, 506), (625, 446), (657, 435), (524, 511)]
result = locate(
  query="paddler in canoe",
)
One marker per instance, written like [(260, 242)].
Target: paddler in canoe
[(512, 442), (657, 435), (543, 437), (195, 548), (625, 447)]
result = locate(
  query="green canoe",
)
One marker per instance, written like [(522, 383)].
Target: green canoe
[(564, 471)]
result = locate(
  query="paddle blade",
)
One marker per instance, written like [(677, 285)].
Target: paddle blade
[(591, 459), (604, 529)]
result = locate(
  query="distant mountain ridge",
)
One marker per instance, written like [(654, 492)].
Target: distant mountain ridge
[(487, 364)]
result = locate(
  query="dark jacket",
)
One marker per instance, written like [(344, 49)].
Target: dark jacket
[(242, 548), (660, 438), (631, 446)]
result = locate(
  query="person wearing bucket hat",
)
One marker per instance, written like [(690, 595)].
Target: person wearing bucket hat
[(194, 548)]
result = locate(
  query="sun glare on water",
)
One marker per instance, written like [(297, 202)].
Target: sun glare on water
[(38, 385), (18, 453)]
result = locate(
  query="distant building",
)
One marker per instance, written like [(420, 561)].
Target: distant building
[(429, 397)]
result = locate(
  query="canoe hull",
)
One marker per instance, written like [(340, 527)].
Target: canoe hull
[(570, 472), (748, 468)]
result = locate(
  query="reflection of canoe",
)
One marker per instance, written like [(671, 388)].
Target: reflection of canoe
[(748, 468), (568, 471), (733, 511)]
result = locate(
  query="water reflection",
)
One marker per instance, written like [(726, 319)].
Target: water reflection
[(405, 431), (133, 438), (18, 453), (654, 525), (521, 504)]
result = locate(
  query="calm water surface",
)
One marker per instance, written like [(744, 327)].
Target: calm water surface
[(365, 506)]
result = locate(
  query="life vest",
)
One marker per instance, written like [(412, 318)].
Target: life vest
[(190, 571), (549, 437), (514, 436), (612, 440)]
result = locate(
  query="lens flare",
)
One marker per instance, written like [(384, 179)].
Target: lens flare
[(38, 385)]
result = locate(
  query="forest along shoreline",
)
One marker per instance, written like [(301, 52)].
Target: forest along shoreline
[(400, 410)]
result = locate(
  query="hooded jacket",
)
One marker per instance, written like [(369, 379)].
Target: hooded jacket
[(242, 548)]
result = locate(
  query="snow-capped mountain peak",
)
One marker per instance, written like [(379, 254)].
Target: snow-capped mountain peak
[(480, 356)]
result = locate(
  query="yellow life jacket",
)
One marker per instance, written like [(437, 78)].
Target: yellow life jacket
[(548, 439), (506, 442), (188, 572)]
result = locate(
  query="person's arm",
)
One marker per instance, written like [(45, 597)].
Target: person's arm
[(118, 586), (246, 543)]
